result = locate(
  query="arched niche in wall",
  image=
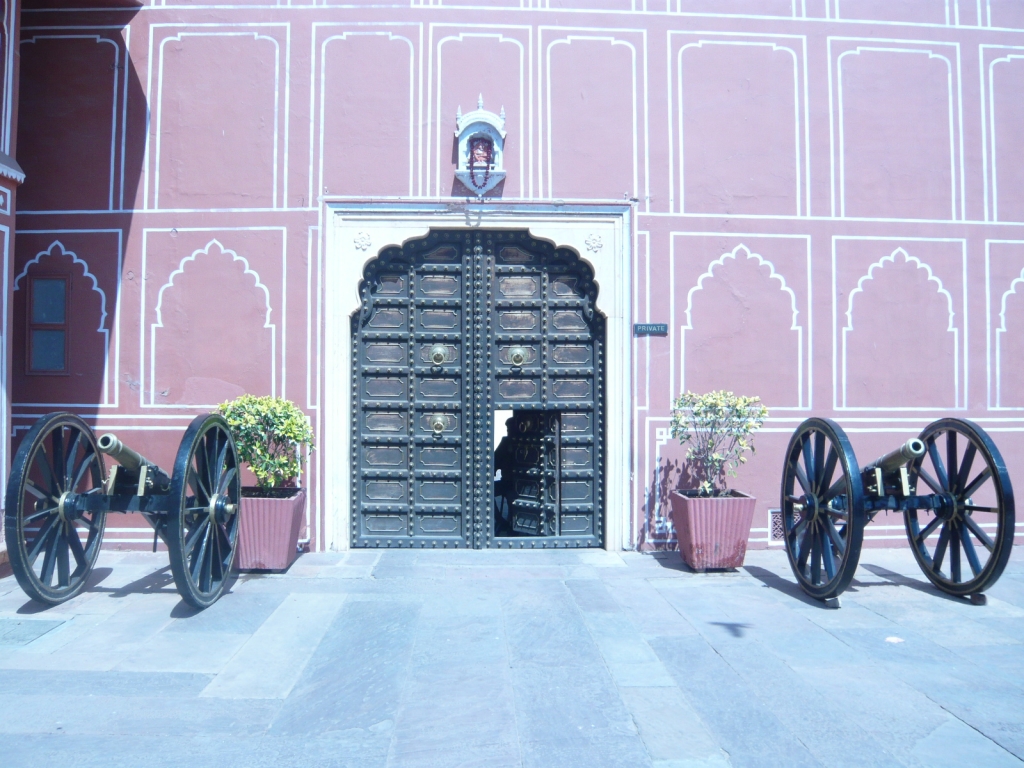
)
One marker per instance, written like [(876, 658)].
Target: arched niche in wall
[(1009, 345), (213, 338), (900, 343), (743, 332), (77, 323)]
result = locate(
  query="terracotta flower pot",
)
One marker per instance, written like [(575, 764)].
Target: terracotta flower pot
[(712, 530), (268, 531)]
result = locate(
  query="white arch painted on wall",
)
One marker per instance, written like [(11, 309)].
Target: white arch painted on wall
[(796, 106), (954, 108), (951, 327), (319, 123), (439, 162), (205, 251), (546, 130), (999, 338), (113, 99), (158, 121), (794, 326), (101, 327)]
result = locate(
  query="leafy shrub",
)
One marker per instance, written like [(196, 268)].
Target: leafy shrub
[(717, 429), (269, 433)]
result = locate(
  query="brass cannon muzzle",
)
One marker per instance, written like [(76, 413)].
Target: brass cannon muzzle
[(149, 473), (121, 453), (892, 461)]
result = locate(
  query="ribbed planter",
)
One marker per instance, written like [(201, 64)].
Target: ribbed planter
[(268, 532), (712, 531)]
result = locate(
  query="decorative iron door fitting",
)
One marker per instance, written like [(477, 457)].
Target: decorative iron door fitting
[(453, 328)]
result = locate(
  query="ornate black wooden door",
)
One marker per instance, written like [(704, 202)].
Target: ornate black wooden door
[(454, 327)]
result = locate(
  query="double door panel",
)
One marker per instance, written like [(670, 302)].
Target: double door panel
[(453, 329)]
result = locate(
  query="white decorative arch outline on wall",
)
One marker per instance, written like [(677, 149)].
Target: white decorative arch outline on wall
[(794, 326), (159, 317), (525, 81), (101, 328), (999, 338), (118, 67), (950, 328), (796, 106), (955, 112), (546, 123), (992, 131), (319, 123), (158, 120)]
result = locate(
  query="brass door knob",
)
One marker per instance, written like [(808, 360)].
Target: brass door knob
[(517, 356), (438, 355), (438, 423)]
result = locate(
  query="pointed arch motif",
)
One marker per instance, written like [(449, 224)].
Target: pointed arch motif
[(940, 289), (57, 244), (179, 271), (57, 250), (795, 325), (1001, 337)]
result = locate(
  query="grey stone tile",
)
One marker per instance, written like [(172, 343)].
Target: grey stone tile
[(410, 572), (544, 627), (671, 729), (355, 678), (459, 755), (238, 612), (581, 706), (954, 744), (748, 730), (87, 683), (143, 716), (829, 733), (647, 608), (89, 751), (16, 632), (271, 660), (463, 706), (321, 558), (571, 753), (203, 652)]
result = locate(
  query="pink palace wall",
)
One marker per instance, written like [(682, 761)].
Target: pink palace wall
[(828, 195)]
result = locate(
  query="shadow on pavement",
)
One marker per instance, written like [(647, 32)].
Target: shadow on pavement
[(905, 581), (779, 584), (95, 577), (734, 628)]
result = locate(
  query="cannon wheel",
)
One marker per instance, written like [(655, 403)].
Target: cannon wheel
[(52, 551), (823, 508), (963, 465), (202, 530)]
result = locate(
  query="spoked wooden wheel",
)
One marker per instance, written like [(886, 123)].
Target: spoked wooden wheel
[(52, 546), (203, 530), (964, 545), (822, 507)]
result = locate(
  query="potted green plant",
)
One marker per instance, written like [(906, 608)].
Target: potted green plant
[(270, 434), (713, 522)]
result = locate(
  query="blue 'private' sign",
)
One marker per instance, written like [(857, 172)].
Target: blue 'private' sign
[(650, 329)]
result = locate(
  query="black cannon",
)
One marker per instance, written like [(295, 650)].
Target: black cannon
[(59, 493), (950, 483)]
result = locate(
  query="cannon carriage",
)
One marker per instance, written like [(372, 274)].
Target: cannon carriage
[(59, 494), (950, 483)]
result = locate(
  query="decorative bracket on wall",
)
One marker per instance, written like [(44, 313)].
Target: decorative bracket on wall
[(481, 138)]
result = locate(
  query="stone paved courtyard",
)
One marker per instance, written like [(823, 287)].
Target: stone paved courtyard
[(583, 658)]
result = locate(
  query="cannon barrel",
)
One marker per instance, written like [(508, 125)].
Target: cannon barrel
[(126, 457), (910, 450)]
